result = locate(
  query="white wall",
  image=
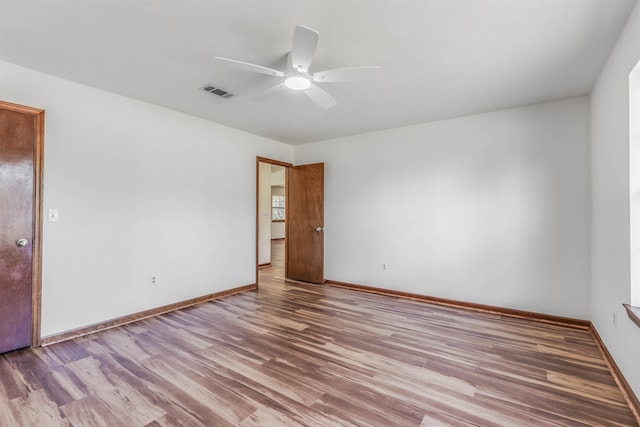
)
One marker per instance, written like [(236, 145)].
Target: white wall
[(610, 203), (277, 230), (141, 190), (277, 175), (491, 208)]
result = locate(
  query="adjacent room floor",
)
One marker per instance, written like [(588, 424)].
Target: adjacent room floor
[(296, 354)]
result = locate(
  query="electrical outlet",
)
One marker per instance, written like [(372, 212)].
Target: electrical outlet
[(153, 281), (615, 320), (385, 266)]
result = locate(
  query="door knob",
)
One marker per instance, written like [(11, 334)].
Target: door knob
[(318, 229), (22, 242)]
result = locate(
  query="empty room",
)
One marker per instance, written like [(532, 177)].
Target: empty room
[(319, 213)]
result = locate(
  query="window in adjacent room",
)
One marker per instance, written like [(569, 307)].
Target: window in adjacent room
[(277, 208)]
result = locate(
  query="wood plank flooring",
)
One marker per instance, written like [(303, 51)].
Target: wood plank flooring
[(313, 355)]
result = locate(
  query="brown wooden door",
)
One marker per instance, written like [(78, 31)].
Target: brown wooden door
[(18, 133), (305, 223)]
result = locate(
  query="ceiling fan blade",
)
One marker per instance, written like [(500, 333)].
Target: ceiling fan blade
[(320, 97), (249, 67), (305, 41), (269, 92), (349, 74)]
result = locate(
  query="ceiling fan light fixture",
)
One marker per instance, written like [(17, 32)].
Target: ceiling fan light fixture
[(297, 83), (296, 76)]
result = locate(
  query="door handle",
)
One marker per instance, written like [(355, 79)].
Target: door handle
[(318, 229), (22, 242)]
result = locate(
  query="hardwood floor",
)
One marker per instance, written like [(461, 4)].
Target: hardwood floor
[(313, 355)]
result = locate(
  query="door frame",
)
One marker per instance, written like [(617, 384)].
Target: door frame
[(36, 259), (286, 179)]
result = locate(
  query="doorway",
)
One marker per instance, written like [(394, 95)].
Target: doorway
[(21, 151), (271, 210), (301, 209)]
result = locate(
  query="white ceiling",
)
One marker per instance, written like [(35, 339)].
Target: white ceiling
[(440, 58)]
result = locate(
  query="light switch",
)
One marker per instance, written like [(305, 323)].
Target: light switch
[(53, 215)]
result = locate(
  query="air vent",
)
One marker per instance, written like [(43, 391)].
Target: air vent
[(217, 91)]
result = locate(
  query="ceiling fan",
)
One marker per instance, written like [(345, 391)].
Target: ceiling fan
[(297, 75)]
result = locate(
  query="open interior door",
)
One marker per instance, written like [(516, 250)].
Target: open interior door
[(305, 223), (20, 128)]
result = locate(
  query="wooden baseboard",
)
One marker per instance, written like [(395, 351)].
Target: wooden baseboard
[(300, 282), (623, 385), (265, 265), (538, 317), (119, 321)]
